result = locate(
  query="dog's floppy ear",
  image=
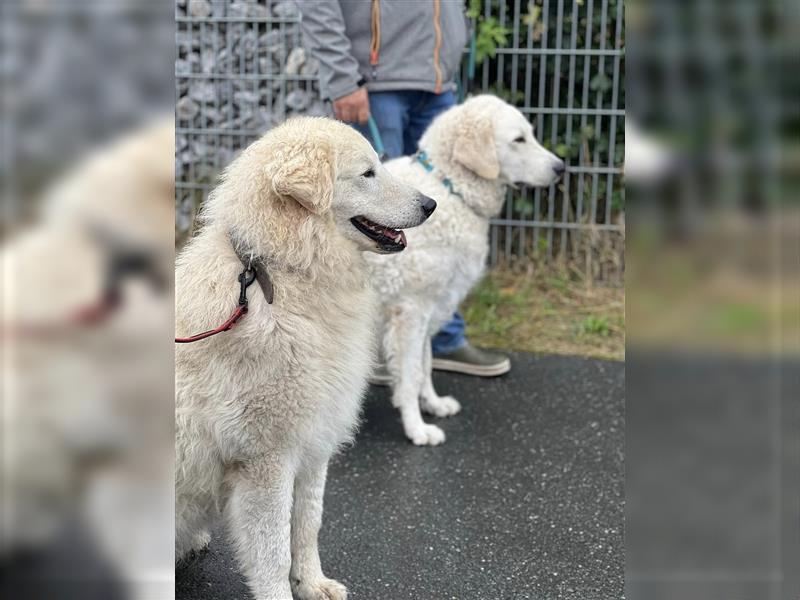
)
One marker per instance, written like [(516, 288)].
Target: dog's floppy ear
[(305, 173), (474, 146)]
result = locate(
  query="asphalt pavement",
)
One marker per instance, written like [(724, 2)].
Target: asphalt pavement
[(525, 500), (712, 457)]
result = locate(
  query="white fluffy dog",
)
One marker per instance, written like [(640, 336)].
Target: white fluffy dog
[(261, 408), (467, 157)]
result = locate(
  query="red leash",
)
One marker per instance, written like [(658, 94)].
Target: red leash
[(226, 326), (246, 278)]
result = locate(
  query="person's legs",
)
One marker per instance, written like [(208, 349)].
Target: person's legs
[(423, 111), (391, 113), (450, 337)]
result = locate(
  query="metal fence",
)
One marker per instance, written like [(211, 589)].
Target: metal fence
[(241, 69)]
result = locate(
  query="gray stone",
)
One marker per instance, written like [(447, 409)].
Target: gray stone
[(208, 60), (267, 66), (297, 100), (186, 158), (254, 121), (219, 9), (202, 150), (246, 45), (267, 120), (199, 8), (237, 9), (186, 109), (286, 10), (273, 44), (245, 97), (310, 67), (272, 40), (225, 155), (212, 114), (278, 109), (205, 172), (202, 91), (225, 62), (186, 41), (296, 59), (183, 66), (248, 9)]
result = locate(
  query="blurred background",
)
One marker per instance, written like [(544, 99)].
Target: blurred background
[(87, 257), (713, 301)]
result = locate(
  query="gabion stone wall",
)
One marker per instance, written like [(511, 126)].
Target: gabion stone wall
[(240, 69)]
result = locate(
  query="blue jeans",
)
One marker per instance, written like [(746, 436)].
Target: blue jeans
[(402, 117)]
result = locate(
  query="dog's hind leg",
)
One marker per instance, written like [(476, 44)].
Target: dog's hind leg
[(307, 579), (258, 514), (403, 344), (431, 402)]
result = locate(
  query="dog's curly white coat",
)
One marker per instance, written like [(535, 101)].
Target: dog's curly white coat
[(482, 146), (261, 408)]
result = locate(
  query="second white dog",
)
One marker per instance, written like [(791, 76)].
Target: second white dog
[(467, 158)]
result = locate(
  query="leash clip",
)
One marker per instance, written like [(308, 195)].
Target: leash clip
[(246, 279)]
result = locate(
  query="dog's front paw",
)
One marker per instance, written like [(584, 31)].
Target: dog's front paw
[(445, 406), (321, 589), (427, 435), (201, 541)]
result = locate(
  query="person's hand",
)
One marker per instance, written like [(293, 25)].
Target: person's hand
[(353, 108)]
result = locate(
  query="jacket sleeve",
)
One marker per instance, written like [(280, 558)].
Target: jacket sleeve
[(324, 33)]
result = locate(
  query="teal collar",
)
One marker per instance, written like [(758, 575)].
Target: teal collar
[(422, 158)]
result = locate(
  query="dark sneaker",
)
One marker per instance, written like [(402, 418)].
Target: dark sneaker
[(473, 361)]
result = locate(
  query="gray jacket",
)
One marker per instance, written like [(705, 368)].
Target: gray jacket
[(387, 44)]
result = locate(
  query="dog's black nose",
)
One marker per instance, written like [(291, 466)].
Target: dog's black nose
[(428, 205), (559, 168)]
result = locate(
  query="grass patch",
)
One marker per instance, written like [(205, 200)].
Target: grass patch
[(547, 312), (593, 325)]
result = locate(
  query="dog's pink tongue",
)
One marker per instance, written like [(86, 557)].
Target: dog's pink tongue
[(403, 238)]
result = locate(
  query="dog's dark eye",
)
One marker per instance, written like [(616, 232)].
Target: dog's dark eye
[(520, 140), (368, 173)]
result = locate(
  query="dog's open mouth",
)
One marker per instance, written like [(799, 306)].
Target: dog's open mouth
[(388, 239)]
